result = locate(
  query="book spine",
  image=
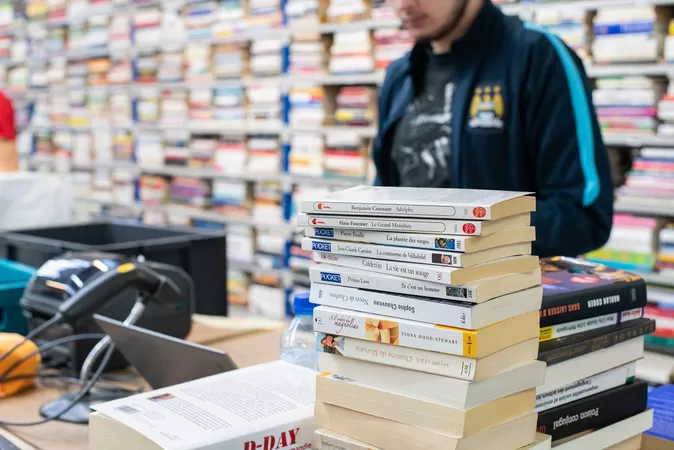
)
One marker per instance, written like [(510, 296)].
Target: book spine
[(391, 355), (376, 282), (594, 412), (324, 441), (405, 334), (580, 326), (436, 274), (559, 355), (597, 302), (584, 388), (398, 306), (328, 225), (412, 240), (383, 252), (399, 210)]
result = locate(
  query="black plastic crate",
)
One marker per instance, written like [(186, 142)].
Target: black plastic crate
[(200, 252)]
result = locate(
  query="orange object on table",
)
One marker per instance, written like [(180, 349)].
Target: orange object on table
[(26, 368)]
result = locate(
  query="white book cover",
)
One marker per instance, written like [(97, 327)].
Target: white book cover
[(414, 255), (436, 241), (424, 272), (416, 202), (363, 279), (431, 311), (268, 406), (595, 384), (405, 225)]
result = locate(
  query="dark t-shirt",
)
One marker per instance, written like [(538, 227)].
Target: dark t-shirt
[(422, 142)]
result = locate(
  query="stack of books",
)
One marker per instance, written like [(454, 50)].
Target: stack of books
[(231, 198), (390, 44), (428, 318), (629, 34), (231, 155), (198, 60), (306, 54), (230, 17), (649, 177), (628, 104), (190, 192), (174, 111), (352, 52), (264, 103), (229, 106), (200, 16), (120, 32), (263, 154), (345, 156), (632, 244), (569, 24), (263, 15), (202, 151), (345, 11), (175, 149), (170, 67), (665, 261), (306, 106), (228, 61), (592, 334), (306, 155), (356, 106), (201, 105), (303, 12), (266, 57), (149, 149)]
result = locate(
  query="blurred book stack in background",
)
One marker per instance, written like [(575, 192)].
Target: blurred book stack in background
[(632, 244)]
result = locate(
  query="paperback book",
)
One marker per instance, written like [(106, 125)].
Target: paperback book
[(327, 225), (451, 314), (426, 336), (475, 292), (422, 202), (450, 243), (387, 252), (575, 289)]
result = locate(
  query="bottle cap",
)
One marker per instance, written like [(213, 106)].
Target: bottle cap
[(302, 305)]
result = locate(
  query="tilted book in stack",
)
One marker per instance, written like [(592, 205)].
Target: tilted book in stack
[(428, 319)]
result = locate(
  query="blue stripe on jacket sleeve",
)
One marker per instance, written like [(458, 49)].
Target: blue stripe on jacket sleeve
[(581, 113)]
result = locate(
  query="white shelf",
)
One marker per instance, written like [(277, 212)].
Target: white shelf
[(584, 5), (647, 206), (330, 28), (610, 70), (618, 140)]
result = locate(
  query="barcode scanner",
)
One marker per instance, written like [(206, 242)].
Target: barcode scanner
[(95, 295)]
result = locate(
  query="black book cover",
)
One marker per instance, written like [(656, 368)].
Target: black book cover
[(574, 289), (594, 412), (562, 349)]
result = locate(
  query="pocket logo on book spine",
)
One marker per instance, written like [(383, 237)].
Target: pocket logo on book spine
[(321, 246), (331, 277), (324, 232)]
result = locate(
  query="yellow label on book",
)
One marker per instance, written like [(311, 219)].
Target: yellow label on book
[(469, 345), (546, 334)]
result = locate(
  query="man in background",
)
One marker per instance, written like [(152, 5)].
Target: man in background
[(485, 101), (9, 157)]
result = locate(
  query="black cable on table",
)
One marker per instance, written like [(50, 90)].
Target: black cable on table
[(80, 395), (48, 346)]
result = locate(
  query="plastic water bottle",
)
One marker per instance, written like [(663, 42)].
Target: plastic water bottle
[(298, 344)]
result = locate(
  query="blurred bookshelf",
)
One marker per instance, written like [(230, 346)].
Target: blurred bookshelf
[(225, 113)]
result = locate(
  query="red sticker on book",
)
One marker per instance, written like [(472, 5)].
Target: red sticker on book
[(469, 228), (479, 212), (585, 279)]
